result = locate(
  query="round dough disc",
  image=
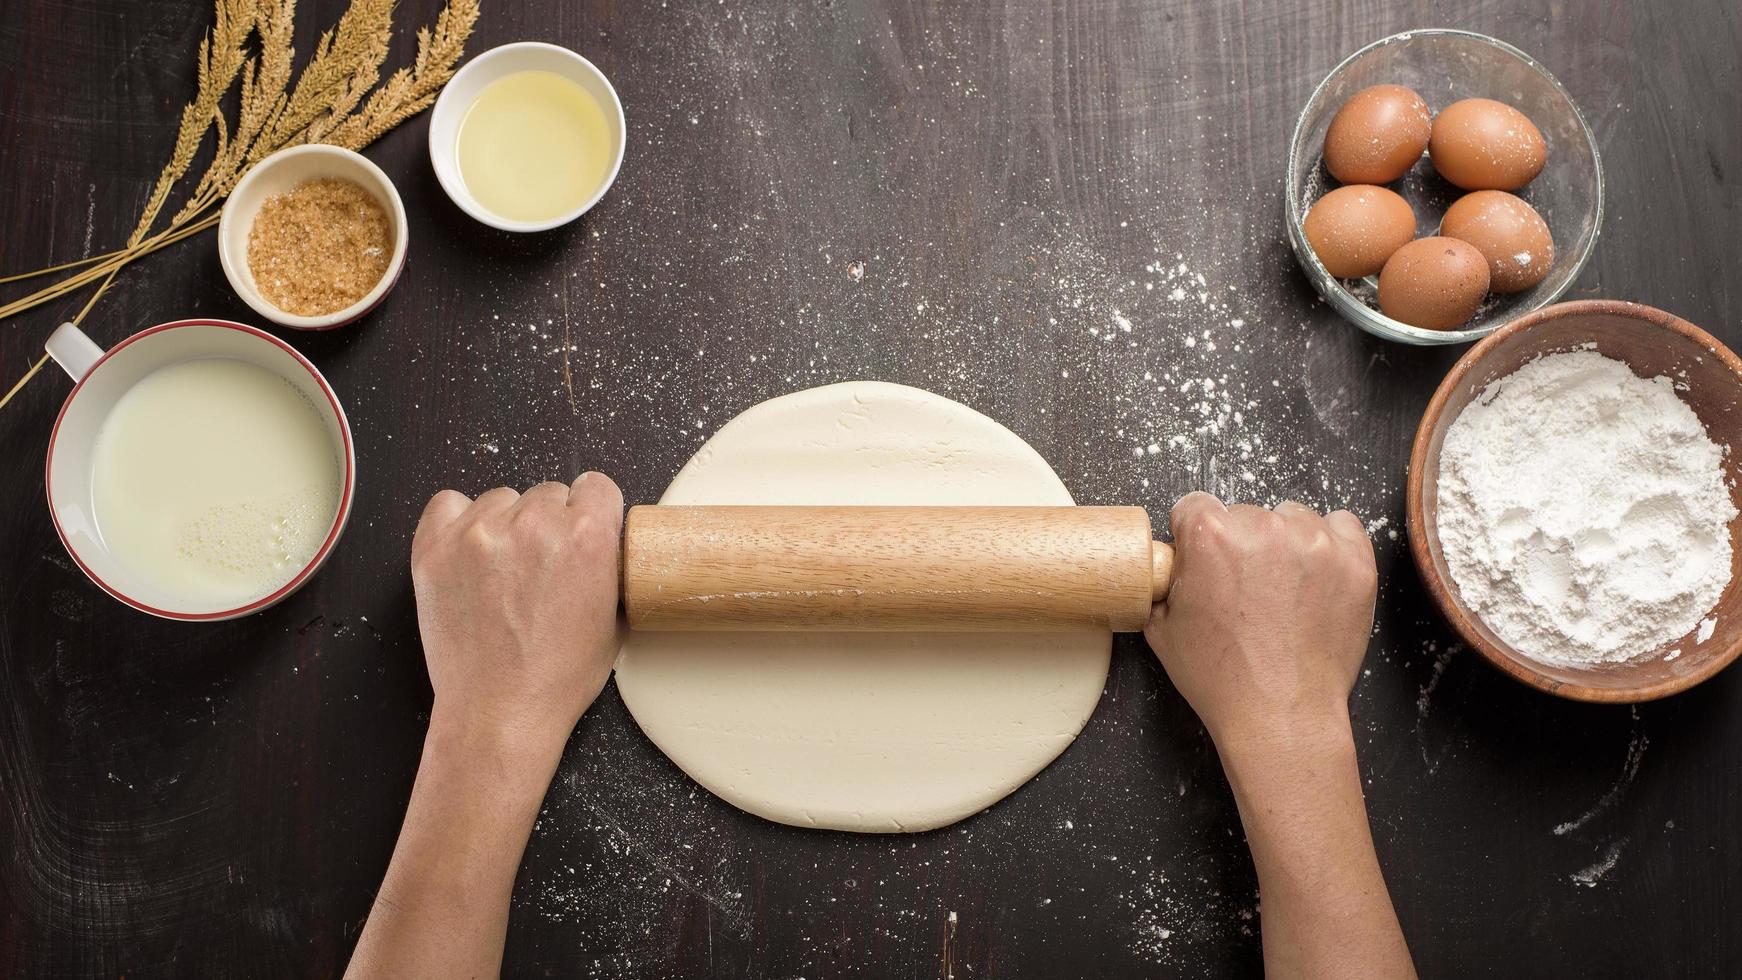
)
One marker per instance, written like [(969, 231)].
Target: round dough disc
[(874, 732)]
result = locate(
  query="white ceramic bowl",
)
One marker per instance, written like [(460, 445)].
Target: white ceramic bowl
[(278, 173), (463, 89)]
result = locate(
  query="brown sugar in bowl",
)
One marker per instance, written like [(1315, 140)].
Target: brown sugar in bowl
[(279, 172), (1652, 343)]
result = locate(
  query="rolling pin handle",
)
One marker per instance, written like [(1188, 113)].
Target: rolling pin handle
[(1160, 570)]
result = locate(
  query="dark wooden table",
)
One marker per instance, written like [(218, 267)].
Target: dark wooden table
[(971, 198)]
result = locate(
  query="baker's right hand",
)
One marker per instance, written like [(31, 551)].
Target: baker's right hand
[(517, 602), (1267, 621)]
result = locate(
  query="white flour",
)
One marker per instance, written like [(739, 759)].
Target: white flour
[(1583, 511)]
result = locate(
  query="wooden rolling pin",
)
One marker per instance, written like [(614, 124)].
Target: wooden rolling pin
[(958, 569)]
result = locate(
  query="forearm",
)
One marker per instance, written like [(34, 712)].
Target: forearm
[(443, 906), (1326, 911)]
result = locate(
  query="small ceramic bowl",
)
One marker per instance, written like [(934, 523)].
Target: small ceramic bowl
[(1653, 343), (278, 173), (463, 89), (1443, 67)]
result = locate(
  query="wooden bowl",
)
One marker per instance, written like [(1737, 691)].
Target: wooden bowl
[(1653, 343)]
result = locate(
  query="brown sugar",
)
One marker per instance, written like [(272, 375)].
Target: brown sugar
[(319, 247)]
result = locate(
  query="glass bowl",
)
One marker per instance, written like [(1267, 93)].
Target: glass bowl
[(1443, 67)]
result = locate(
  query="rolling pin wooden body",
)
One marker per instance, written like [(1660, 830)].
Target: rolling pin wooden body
[(956, 569)]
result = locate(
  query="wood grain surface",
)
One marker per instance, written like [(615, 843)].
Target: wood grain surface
[(1065, 214)]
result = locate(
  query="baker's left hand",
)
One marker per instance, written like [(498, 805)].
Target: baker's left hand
[(517, 601)]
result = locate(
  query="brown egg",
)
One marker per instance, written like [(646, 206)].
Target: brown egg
[(1355, 228), (1377, 135), (1436, 283), (1509, 234), (1481, 144)]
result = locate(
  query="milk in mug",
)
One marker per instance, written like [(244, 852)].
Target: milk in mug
[(216, 479)]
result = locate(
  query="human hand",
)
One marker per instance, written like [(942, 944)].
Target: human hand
[(517, 601), (1266, 624), (1263, 632)]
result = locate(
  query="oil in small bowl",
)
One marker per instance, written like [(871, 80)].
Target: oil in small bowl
[(534, 146)]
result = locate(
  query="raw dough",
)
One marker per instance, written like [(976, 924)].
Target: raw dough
[(863, 731)]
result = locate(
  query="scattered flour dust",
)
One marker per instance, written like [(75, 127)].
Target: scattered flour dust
[(1588, 877), (1182, 915), (1583, 511)]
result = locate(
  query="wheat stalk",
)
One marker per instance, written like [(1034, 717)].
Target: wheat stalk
[(220, 60), (263, 82), (408, 92), (346, 64), (335, 99)]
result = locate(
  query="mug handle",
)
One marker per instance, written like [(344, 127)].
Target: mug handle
[(73, 351)]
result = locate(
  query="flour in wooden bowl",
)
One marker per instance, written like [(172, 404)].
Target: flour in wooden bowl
[(1583, 511)]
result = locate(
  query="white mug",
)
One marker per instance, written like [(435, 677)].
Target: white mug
[(101, 379)]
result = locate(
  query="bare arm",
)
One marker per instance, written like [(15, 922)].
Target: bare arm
[(516, 603), (1264, 632)]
